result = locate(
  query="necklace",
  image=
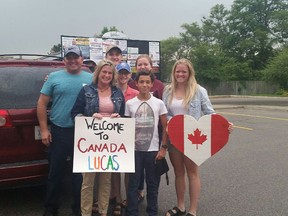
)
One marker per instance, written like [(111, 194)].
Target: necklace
[(104, 89)]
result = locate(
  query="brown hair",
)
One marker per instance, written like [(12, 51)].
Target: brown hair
[(144, 56)]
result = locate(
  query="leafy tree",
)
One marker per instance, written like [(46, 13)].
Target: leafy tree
[(207, 63), (233, 70), (233, 44), (171, 50), (256, 26), (216, 26), (206, 56), (191, 38), (55, 49), (277, 69), (105, 30)]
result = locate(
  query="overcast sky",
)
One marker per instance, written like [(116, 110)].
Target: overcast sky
[(34, 26)]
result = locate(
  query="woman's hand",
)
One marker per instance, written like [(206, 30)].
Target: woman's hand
[(115, 115), (231, 127), (97, 115)]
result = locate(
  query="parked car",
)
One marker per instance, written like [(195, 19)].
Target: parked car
[(23, 157)]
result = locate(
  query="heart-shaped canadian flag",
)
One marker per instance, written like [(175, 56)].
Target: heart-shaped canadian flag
[(201, 139)]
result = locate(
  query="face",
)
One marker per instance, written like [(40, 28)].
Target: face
[(181, 73), (144, 84), (73, 63), (105, 76), (114, 56), (123, 76), (143, 64)]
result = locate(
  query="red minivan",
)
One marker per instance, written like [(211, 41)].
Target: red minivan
[(23, 158)]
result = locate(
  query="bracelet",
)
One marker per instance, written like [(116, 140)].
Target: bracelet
[(165, 146)]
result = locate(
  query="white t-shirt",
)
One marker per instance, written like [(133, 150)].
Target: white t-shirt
[(177, 107), (146, 114)]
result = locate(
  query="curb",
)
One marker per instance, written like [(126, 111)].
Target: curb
[(220, 107), (246, 96)]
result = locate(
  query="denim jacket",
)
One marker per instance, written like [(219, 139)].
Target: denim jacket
[(87, 102), (199, 105)]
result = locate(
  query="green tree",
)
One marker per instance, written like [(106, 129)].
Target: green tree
[(171, 50), (277, 69), (191, 38), (216, 26), (207, 63), (194, 44), (256, 26), (105, 30), (55, 49), (234, 44)]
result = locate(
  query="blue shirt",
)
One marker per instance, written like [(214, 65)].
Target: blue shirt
[(63, 87)]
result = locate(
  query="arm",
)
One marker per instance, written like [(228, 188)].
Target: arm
[(79, 105), (122, 108), (163, 148), (42, 118), (207, 108), (161, 90), (165, 100), (206, 105)]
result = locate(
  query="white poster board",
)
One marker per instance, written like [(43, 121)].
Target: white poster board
[(95, 49), (105, 145)]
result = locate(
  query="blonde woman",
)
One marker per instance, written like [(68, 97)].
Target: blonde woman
[(185, 96), (99, 99)]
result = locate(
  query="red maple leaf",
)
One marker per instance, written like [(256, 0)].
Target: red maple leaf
[(197, 138)]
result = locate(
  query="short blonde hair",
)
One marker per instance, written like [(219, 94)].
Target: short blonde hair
[(99, 68), (191, 85)]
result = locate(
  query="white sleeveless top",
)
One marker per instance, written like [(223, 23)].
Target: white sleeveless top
[(177, 108)]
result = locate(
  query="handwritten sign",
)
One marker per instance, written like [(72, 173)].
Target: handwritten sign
[(105, 145)]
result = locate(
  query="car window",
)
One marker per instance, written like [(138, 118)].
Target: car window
[(20, 86)]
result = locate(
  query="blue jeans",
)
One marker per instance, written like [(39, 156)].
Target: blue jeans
[(141, 184), (143, 161), (61, 148)]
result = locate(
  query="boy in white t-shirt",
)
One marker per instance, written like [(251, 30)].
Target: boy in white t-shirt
[(147, 110)]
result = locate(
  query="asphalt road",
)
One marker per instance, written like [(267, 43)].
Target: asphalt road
[(249, 176)]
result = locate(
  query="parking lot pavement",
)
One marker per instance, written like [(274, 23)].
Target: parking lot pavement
[(247, 177)]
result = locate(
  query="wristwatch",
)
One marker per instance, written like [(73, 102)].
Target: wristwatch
[(165, 146)]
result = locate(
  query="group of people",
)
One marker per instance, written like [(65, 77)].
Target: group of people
[(110, 92)]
